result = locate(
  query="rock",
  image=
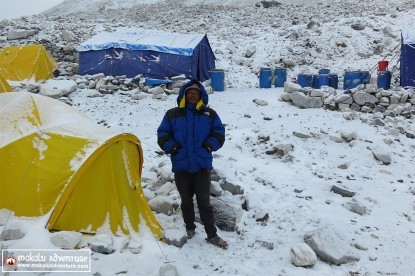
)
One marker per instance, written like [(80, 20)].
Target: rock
[(361, 98), (358, 26), (250, 51), (168, 270), (388, 31), (102, 244), (356, 208), (281, 150), (348, 136), (344, 99), (66, 239), (12, 234), (290, 87), (344, 166), (302, 100), (20, 34), (286, 97), (360, 247), (302, 255), (215, 188), (226, 215), (313, 26), (68, 35), (176, 237), (329, 247), (57, 88), (166, 189), (382, 156), (260, 102), (301, 135), (163, 204), (132, 245), (232, 188)]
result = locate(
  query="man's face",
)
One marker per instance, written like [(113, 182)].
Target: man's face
[(192, 96)]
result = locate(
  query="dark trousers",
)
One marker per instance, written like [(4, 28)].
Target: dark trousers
[(197, 183)]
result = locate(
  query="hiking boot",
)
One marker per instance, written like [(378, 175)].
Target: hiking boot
[(190, 233), (218, 241)]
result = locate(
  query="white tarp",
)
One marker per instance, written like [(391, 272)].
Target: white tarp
[(174, 43), (408, 36)]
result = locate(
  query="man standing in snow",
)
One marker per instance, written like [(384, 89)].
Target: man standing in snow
[(189, 133)]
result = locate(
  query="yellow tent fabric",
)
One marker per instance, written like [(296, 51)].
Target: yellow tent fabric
[(4, 86), (19, 63), (53, 158)]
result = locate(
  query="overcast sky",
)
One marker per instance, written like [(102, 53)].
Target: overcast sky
[(15, 8)]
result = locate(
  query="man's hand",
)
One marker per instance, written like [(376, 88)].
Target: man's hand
[(207, 146), (175, 149)]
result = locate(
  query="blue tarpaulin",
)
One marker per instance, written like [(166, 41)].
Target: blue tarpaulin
[(407, 58), (155, 55)]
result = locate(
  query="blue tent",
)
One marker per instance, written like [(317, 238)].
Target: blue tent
[(408, 58), (155, 55)]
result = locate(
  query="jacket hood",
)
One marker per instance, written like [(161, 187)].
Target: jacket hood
[(203, 94)]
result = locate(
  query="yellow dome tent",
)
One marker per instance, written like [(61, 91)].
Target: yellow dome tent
[(19, 63), (4, 85), (52, 158)]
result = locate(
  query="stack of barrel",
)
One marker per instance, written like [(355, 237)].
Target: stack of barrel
[(267, 77), (323, 78), (384, 75)]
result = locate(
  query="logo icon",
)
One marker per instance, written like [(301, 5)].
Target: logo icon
[(10, 260)]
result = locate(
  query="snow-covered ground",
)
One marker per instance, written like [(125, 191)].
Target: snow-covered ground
[(293, 190)]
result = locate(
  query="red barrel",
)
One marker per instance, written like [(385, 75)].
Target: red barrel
[(383, 65)]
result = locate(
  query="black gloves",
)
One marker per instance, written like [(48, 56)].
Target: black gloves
[(207, 146), (175, 149)]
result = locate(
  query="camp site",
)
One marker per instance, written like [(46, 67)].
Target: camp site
[(315, 176)]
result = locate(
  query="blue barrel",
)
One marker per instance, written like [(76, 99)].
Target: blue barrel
[(324, 71), (217, 80), (365, 77), (322, 80), (265, 78), (305, 80), (334, 81), (384, 79), (280, 76), (351, 79), (315, 81)]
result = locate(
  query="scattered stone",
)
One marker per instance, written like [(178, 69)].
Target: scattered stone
[(382, 157), (301, 135), (260, 102), (102, 244), (302, 255), (356, 208), (329, 247), (226, 215), (132, 245), (176, 237), (342, 192), (66, 239), (163, 204), (360, 247), (168, 270), (12, 234)]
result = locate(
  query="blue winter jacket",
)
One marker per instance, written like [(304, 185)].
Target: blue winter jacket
[(195, 130)]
